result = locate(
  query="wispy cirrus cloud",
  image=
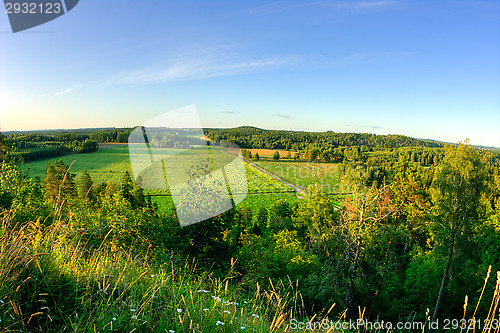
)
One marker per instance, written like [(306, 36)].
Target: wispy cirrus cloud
[(200, 69), (64, 92), (284, 116)]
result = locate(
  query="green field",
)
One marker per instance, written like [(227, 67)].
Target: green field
[(110, 164), (304, 173), (253, 201), (103, 165)]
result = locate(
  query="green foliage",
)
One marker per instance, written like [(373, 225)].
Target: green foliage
[(86, 187), (58, 184), (50, 283), (382, 244)]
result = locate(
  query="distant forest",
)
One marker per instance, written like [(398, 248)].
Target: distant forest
[(313, 146), (333, 147), (32, 146), (252, 137)]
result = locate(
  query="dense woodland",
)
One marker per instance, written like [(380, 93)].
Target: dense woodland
[(32, 146), (252, 137), (416, 234)]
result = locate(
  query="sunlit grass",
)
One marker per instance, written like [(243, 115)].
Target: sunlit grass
[(49, 282)]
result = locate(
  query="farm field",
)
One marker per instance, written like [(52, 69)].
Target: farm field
[(305, 173), (102, 165), (110, 164), (165, 204), (268, 153)]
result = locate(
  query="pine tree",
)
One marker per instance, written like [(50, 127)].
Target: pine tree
[(127, 186), (59, 183), (86, 187)]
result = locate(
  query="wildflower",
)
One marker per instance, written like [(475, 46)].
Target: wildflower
[(255, 315), (243, 327), (1, 302), (133, 310), (205, 309), (227, 311), (153, 275), (219, 323), (203, 291), (171, 331), (179, 310), (113, 318), (134, 317), (245, 302)]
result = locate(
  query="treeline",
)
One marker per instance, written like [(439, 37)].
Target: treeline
[(32, 146), (36, 150), (423, 155), (251, 137), (175, 138), (99, 135)]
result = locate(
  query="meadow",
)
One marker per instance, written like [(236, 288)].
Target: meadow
[(304, 174), (111, 161), (102, 165)]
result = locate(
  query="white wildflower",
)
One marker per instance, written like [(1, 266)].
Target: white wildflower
[(133, 310), (134, 317), (114, 318), (179, 310), (205, 309), (219, 323), (227, 311), (243, 327)]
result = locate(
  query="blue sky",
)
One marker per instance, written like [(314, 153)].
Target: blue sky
[(427, 69)]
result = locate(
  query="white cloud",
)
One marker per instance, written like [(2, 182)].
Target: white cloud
[(60, 93), (199, 69)]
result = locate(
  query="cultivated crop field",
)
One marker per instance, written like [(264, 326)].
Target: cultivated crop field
[(103, 165), (268, 153), (110, 164), (305, 173)]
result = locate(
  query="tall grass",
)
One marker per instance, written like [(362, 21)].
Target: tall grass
[(49, 282)]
